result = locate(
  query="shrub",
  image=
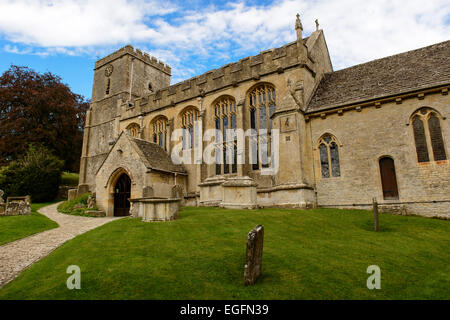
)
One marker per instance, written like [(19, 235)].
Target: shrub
[(77, 206), (37, 173)]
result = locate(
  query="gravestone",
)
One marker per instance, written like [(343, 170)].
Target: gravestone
[(1, 196), (72, 194), (253, 261), (147, 192)]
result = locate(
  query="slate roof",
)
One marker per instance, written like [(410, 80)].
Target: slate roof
[(154, 157), (413, 70)]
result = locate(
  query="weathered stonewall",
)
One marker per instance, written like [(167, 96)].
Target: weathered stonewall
[(253, 262), (18, 206)]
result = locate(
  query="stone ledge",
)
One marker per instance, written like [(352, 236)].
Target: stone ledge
[(240, 182), (155, 200), (284, 187), (239, 206)]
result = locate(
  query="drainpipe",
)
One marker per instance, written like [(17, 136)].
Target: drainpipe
[(316, 203)]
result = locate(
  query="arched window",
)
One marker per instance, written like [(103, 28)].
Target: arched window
[(329, 156), (134, 130), (388, 179), (428, 135), (262, 102), (188, 122), (159, 131), (226, 149)]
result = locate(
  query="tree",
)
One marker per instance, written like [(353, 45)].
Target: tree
[(39, 108), (37, 174)]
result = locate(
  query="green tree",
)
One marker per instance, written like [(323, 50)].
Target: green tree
[(37, 173)]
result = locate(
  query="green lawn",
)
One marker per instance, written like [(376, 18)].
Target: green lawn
[(17, 227), (69, 179), (317, 254)]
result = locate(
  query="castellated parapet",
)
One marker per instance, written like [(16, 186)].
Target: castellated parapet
[(231, 75), (136, 53)]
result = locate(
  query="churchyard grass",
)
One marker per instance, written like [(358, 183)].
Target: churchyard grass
[(69, 179), (17, 227), (316, 254)]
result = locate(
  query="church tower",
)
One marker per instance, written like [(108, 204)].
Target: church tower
[(119, 78)]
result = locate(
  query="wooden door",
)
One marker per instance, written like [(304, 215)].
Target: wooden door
[(388, 179), (122, 193)]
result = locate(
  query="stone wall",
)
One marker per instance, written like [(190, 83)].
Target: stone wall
[(16, 206), (383, 129)]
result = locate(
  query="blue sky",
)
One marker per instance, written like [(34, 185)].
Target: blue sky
[(66, 37)]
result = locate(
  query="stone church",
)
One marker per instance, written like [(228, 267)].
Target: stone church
[(339, 138)]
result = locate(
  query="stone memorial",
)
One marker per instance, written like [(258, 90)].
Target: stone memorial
[(253, 262), (16, 206)]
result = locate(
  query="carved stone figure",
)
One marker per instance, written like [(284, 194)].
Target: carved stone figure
[(91, 203)]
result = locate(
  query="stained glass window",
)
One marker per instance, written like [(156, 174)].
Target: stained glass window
[(262, 107), (329, 156), (225, 114)]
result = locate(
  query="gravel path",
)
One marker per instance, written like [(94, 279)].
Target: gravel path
[(19, 255)]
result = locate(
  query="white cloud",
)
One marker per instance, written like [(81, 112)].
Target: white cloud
[(58, 23), (356, 31), (16, 50)]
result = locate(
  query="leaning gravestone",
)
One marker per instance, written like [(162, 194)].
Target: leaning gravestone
[(253, 261)]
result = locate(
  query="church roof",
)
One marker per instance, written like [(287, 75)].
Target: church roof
[(154, 157), (414, 70)]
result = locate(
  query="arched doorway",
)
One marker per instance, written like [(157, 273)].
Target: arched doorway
[(122, 193), (388, 179)]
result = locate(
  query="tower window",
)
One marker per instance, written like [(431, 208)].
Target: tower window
[(108, 85)]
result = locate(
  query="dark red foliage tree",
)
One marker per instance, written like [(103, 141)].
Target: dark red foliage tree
[(40, 109)]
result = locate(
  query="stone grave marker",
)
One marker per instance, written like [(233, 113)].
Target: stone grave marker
[(253, 261)]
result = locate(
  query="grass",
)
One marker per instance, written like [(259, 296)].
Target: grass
[(316, 254), (68, 207), (17, 227), (69, 179)]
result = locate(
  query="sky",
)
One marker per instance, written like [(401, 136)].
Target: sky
[(66, 37)]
